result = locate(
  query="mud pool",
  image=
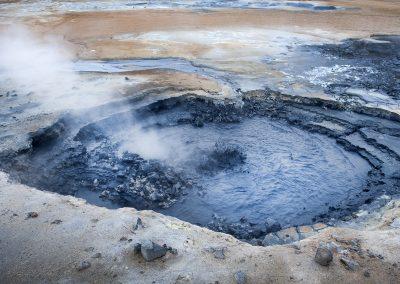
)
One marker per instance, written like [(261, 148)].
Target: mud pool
[(288, 174), (216, 163)]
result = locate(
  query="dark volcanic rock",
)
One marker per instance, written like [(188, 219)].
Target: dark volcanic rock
[(138, 225), (381, 55), (349, 264), (150, 250), (323, 256)]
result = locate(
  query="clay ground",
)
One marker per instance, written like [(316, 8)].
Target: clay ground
[(38, 250)]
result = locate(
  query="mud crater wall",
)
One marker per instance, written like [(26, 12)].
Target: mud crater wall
[(82, 156)]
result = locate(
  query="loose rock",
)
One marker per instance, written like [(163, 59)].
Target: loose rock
[(240, 277), (323, 256), (138, 225), (32, 215), (83, 265), (349, 264), (150, 250), (218, 252)]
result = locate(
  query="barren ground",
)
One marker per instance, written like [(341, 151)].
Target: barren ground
[(236, 41)]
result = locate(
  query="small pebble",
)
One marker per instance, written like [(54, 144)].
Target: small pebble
[(32, 215), (83, 265), (97, 255), (240, 277)]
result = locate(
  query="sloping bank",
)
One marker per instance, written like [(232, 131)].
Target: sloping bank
[(51, 245)]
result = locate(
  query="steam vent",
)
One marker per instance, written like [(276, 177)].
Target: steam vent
[(200, 141)]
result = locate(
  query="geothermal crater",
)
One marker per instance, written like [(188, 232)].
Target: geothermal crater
[(228, 165)]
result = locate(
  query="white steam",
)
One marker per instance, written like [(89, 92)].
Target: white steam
[(42, 70), (147, 143), (30, 65)]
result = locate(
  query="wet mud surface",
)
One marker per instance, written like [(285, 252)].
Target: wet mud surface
[(222, 164)]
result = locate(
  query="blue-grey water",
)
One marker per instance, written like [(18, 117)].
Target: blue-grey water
[(289, 174)]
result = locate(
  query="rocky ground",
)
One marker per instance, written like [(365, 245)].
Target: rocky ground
[(323, 67), (46, 237)]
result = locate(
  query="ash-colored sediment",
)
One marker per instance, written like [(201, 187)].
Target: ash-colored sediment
[(37, 250)]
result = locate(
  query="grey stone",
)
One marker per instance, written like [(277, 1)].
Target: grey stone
[(323, 256), (218, 252), (151, 251), (83, 265), (138, 225), (271, 239), (349, 264), (96, 255), (240, 277)]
